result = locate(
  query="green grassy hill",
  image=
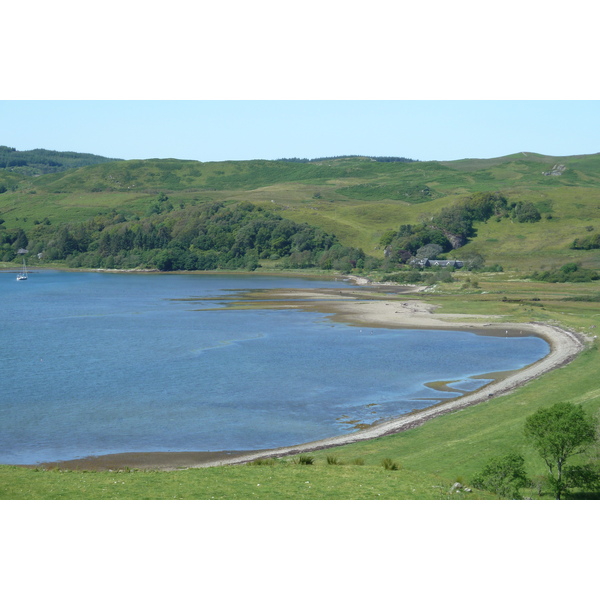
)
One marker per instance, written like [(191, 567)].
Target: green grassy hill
[(357, 199)]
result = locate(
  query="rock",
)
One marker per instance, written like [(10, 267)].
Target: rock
[(556, 170)]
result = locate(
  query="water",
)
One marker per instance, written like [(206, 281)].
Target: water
[(99, 363)]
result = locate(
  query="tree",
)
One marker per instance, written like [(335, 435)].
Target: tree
[(526, 212), (429, 251), (557, 433), (503, 475)]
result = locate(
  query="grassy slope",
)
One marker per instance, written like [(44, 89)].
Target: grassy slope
[(434, 455), (356, 199)]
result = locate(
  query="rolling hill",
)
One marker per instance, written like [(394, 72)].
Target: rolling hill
[(356, 199)]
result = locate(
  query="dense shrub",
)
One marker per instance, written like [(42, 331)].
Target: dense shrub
[(504, 476), (525, 212), (591, 242), (568, 273)]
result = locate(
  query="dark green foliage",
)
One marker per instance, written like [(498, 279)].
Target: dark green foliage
[(504, 476), (557, 433), (569, 272), (305, 459), (525, 212), (583, 477), (205, 237), (459, 218), (11, 240), (40, 161), (389, 465), (455, 220), (591, 242), (450, 228)]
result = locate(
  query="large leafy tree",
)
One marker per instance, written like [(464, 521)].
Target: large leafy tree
[(557, 433)]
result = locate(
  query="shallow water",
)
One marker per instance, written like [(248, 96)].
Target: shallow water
[(98, 363)]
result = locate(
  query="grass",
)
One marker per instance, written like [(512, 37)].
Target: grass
[(282, 480)]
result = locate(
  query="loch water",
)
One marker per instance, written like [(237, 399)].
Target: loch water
[(100, 363)]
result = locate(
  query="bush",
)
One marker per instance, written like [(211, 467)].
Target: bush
[(263, 462), (526, 212), (305, 459), (503, 475), (591, 242), (389, 465), (332, 460), (568, 273)]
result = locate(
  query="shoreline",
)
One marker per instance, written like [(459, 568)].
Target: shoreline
[(410, 314)]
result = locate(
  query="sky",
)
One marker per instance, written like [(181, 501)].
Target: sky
[(268, 80), (218, 130)]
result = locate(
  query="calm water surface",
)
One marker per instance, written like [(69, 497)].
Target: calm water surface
[(98, 363)]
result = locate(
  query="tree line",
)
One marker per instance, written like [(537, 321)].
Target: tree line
[(40, 161), (203, 237), (375, 158)]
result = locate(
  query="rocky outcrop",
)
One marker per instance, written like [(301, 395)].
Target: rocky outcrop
[(556, 170), (457, 241)]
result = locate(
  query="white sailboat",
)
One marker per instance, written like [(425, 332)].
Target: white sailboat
[(23, 274)]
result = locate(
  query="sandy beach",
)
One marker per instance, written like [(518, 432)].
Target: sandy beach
[(395, 313)]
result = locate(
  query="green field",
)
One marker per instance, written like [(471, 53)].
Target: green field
[(358, 200)]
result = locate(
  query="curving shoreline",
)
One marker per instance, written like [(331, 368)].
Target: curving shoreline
[(564, 347)]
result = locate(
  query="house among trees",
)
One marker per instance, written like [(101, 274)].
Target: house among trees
[(22, 251), (437, 262)]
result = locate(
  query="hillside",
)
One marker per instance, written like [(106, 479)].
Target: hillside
[(357, 200), (40, 161)]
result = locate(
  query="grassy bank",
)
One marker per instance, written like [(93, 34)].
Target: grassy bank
[(282, 480)]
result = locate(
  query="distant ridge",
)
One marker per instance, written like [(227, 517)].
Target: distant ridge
[(41, 161), (374, 158)]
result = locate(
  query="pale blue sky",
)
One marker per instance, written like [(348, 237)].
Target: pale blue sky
[(213, 130)]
